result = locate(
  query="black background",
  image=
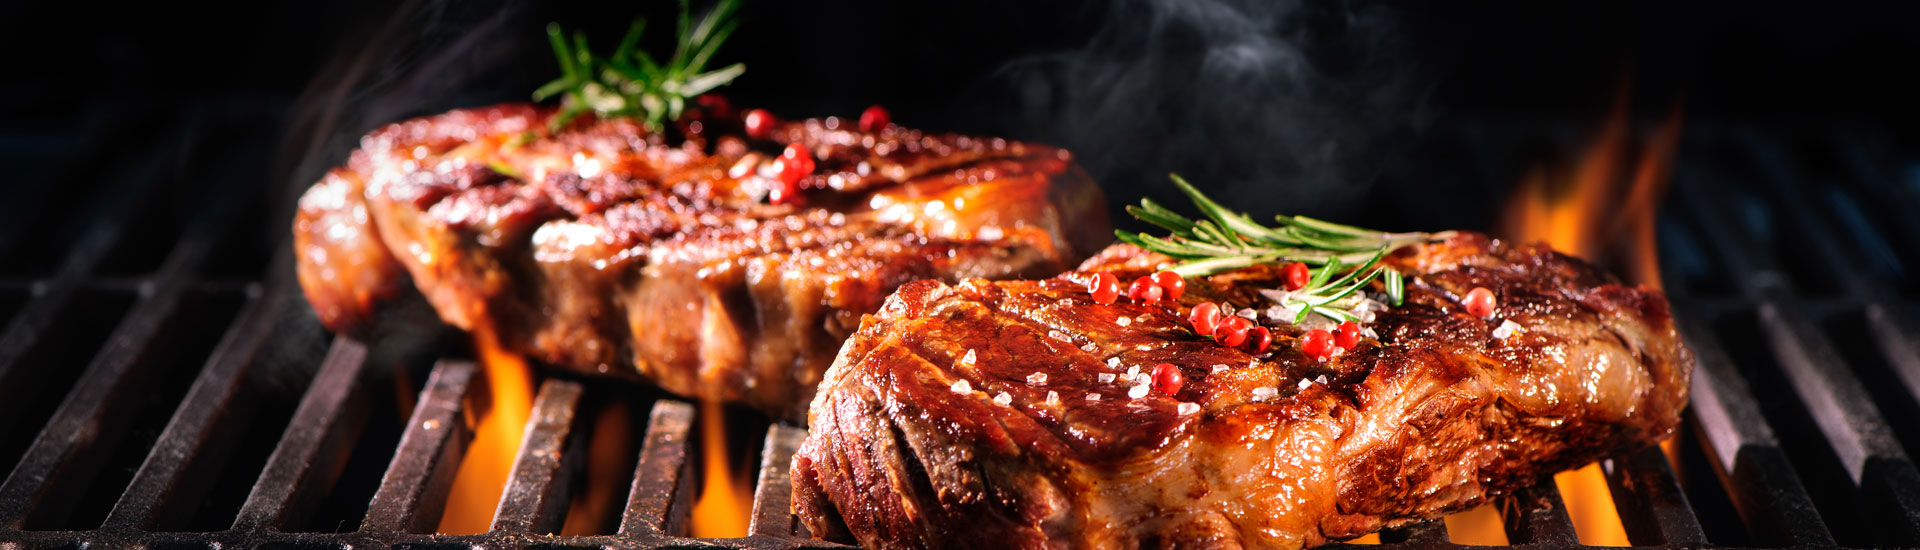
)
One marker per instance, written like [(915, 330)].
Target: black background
[(953, 66)]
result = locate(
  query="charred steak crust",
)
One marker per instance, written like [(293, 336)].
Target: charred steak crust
[(1436, 415), (600, 248)]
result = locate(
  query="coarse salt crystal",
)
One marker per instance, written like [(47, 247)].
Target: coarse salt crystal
[(1188, 408), (1138, 391), (1113, 362), (1322, 379), (1337, 351), (1304, 383), (1123, 321), (1003, 399), (1093, 397), (962, 387), (1143, 347), (968, 359), (1507, 329), (1037, 379), (1133, 371), (1217, 369), (1264, 393), (1057, 335), (1248, 314), (1106, 378), (1089, 348), (1053, 397)]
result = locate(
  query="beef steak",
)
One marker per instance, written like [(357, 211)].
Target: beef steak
[(603, 248), (1000, 414)]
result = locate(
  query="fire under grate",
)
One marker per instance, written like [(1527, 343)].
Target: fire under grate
[(182, 431)]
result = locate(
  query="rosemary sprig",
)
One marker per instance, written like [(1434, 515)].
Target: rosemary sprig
[(1347, 257), (630, 82)]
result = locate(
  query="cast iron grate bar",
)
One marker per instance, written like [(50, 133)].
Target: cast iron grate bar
[(661, 496), (1653, 509), (413, 492), (200, 430), (534, 500), (1536, 516), (315, 444), (773, 495)]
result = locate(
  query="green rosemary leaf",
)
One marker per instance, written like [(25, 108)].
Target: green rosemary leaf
[(1396, 288), (630, 82), (1347, 258)]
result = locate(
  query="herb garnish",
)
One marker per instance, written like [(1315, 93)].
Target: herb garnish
[(1348, 257), (630, 82)]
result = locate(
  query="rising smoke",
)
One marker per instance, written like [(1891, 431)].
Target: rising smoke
[(1292, 106)]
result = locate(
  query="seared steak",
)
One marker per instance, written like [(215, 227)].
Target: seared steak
[(999, 414), (602, 248)]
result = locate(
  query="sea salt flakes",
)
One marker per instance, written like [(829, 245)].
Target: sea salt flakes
[(1217, 369), (1123, 321), (968, 359), (1507, 329), (1089, 348), (1003, 399), (1053, 397), (1264, 393), (1057, 335), (1106, 378), (1093, 397), (1138, 391), (1037, 379), (1188, 408), (962, 387), (1113, 362)]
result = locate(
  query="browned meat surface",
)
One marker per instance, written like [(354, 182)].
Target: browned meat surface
[(1436, 414), (602, 248)]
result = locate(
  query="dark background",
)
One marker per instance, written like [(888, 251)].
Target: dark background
[(1357, 109)]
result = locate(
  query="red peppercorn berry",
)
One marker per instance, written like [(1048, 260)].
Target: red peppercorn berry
[(1167, 379), (1347, 335), (1479, 302), (874, 119), (1259, 339), (1204, 317), (1104, 287), (1317, 343), (1144, 291), (795, 163), (759, 124), (1295, 276), (1232, 331), (1172, 283)]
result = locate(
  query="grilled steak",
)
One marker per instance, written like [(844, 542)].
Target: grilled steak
[(602, 248), (981, 414)]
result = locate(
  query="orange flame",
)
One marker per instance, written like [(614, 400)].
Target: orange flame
[(498, 416), (1587, 213), (725, 503)]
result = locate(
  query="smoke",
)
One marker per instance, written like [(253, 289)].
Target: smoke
[(1292, 106)]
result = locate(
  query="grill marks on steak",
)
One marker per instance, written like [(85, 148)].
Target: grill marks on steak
[(1436, 415), (600, 247)]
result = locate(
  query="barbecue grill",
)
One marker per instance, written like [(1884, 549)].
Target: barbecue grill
[(191, 426)]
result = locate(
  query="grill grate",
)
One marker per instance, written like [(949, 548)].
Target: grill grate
[(1800, 300)]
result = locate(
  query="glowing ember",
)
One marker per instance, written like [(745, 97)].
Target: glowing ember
[(725, 503), (502, 412)]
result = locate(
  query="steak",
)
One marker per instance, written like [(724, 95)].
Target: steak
[(603, 248), (1001, 414)]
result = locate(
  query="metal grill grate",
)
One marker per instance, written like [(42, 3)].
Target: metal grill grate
[(1800, 300)]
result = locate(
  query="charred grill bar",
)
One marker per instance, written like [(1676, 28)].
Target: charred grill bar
[(178, 429)]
